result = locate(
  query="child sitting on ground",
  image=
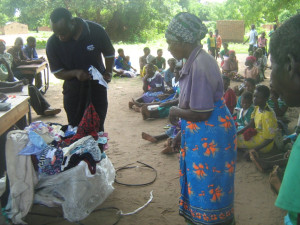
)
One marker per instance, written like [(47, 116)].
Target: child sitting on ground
[(259, 134), (160, 61), (230, 67), (162, 110), (170, 134), (169, 73), (149, 59), (248, 85), (153, 86), (127, 60), (224, 54), (229, 95), (251, 71), (280, 108), (244, 114), (261, 63)]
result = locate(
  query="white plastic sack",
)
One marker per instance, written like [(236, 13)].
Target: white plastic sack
[(22, 177), (77, 190)]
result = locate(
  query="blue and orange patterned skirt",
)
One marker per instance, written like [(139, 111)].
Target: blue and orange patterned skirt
[(207, 166)]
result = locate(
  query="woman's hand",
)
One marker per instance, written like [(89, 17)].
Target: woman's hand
[(173, 115), (176, 142)]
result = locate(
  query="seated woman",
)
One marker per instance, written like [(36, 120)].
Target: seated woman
[(259, 134), (230, 67), (162, 110), (153, 86), (19, 58), (123, 69), (251, 71), (244, 115), (9, 84)]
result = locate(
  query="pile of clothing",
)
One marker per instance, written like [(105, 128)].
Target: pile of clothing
[(52, 151), (57, 165)]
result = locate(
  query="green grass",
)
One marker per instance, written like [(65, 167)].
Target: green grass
[(160, 42)]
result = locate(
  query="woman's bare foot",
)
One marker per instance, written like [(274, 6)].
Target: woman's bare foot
[(145, 112), (138, 104), (148, 137), (168, 150), (135, 108), (274, 180), (130, 104)]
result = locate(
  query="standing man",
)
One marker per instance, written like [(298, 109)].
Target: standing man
[(76, 45), (219, 42), (285, 79), (253, 36)]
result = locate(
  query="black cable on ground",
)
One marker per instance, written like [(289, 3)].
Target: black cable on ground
[(132, 167)]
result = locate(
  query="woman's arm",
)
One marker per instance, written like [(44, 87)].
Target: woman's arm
[(264, 144), (145, 84), (10, 77), (250, 125), (279, 111), (169, 103), (188, 114)]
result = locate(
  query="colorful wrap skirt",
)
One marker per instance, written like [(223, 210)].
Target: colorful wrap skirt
[(207, 166)]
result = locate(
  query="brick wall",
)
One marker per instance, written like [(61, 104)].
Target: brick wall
[(15, 28), (45, 29), (231, 30)]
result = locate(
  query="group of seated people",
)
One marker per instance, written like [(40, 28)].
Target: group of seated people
[(13, 80), (123, 67), (260, 117), (258, 111), (255, 65)]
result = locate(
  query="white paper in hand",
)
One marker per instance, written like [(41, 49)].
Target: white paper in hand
[(97, 76)]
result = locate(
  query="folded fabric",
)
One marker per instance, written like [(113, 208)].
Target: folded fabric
[(75, 159), (5, 106), (35, 145), (50, 161)]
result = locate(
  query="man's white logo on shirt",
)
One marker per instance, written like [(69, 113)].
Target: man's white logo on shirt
[(90, 47)]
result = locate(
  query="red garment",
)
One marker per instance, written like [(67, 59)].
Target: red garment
[(249, 133), (230, 99), (89, 125)]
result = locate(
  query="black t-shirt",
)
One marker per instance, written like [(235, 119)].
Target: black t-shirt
[(81, 53)]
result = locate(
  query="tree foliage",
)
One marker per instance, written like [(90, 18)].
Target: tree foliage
[(140, 20)]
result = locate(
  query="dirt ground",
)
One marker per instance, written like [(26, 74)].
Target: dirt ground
[(254, 200)]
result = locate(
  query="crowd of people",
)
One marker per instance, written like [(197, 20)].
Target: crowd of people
[(210, 121), (255, 123)]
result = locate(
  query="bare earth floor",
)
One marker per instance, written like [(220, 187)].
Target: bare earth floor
[(254, 200)]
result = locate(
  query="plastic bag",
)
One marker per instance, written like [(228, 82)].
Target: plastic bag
[(77, 190)]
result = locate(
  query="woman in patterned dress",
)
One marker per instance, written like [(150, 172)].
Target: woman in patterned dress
[(208, 134)]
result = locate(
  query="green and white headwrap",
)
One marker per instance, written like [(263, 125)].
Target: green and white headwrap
[(187, 28)]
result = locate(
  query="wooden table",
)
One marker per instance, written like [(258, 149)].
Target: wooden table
[(35, 69), (19, 109)]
